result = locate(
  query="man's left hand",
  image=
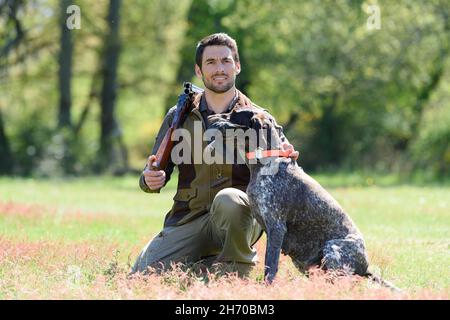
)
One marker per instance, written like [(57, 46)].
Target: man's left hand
[(287, 146)]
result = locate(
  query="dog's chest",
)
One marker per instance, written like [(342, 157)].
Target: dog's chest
[(270, 192)]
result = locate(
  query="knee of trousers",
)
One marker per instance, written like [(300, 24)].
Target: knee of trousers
[(231, 208)]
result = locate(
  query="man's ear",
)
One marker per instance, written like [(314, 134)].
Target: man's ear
[(238, 67), (198, 71)]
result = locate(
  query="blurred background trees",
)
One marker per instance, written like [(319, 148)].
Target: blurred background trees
[(91, 100)]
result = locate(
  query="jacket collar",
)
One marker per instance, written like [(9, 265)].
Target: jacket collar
[(240, 101)]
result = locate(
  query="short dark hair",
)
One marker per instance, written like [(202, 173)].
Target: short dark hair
[(216, 39)]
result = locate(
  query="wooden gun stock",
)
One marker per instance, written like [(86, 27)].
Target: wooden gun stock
[(184, 106), (164, 150)]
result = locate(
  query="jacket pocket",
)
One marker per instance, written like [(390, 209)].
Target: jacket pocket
[(185, 194)]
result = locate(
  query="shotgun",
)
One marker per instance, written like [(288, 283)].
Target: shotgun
[(184, 106)]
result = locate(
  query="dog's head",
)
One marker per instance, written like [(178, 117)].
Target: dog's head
[(252, 129)]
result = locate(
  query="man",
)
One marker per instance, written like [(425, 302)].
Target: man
[(210, 219)]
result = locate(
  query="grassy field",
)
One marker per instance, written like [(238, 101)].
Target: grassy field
[(76, 239)]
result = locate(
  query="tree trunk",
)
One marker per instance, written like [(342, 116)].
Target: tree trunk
[(7, 44), (109, 89), (65, 70), (11, 8), (6, 160)]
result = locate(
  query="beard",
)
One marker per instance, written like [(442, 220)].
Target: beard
[(219, 88)]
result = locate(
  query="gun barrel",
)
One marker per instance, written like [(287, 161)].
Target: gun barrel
[(190, 88)]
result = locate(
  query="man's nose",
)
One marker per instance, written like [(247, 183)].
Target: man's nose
[(220, 67)]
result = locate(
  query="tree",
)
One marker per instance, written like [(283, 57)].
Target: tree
[(6, 160), (14, 35), (109, 126), (65, 69)]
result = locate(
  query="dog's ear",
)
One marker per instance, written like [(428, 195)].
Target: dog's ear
[(222, 122), (269, 119), (242, 117), (265, 119)]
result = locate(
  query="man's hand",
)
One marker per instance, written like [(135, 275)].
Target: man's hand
[(153, 178), (287, 146)]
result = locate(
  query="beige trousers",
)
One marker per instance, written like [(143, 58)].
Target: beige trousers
[(226, 234)]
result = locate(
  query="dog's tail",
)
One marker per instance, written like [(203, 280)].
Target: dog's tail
[(384, 283)]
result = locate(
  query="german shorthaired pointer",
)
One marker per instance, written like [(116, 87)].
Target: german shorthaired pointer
[(300, 217)]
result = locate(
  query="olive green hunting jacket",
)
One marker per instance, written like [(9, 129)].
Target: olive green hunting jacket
[(198, 184)]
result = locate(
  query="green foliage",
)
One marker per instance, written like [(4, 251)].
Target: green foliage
[(29, 143), (431, 150), (354, 89), (40, 151), (349, 97)]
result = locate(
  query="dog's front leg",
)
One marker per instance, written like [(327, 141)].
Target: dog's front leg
[(275, 235)]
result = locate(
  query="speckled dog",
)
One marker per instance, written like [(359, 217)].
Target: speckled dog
[(301, 219)]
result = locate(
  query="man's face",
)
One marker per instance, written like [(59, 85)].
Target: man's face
[(219, 70)]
